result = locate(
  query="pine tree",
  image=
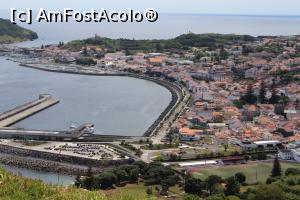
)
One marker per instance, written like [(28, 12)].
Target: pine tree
[(77, 180), (89, 180), (262, 93), (276, 171), (158, 47), (249, 96), (232, 186), (274, 98)]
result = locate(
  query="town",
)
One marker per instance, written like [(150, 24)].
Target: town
[(238, 100)]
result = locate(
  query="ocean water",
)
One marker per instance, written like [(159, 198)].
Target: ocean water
[(46, 177), (167, 26), (116, 105)]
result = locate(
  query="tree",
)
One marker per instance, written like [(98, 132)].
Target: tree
[(78, 180), (249, 97), (60, 44), (194, 186), (158, 47), (127, 52), (268, 192), (107, 180), (121, 175), (232, 186), (100, 54), (225, 147), (223, 53), (211, 181), (239, 103), (276, 171), (283, 99), (279, 109), (89, 181), (245, 50), (269, 180), (85, 61), (274, 98), (240, 177), (133, 175), (292, 171), (262, 93)]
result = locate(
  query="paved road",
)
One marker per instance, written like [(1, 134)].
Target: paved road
[(161, 132)]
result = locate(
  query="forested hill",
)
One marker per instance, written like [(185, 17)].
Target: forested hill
[(10, 33), (184, 41)]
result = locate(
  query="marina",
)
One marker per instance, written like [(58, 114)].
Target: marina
[(141, 101)]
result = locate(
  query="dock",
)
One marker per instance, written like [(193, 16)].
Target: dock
[(19, 113)]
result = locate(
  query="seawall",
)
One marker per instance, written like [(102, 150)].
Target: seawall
[(54, 162)]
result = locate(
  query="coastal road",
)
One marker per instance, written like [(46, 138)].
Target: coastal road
[(162, 131)]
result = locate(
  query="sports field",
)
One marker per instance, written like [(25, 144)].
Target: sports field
[(254, 172)]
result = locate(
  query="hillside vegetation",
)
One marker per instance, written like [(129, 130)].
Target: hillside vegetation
[(10, 33), (18, 188), (181, 42)]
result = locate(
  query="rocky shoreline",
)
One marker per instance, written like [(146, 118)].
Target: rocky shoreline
[(43, 165), (53, 162)]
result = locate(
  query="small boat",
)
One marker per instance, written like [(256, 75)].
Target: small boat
[(72, 127), (89, 129)]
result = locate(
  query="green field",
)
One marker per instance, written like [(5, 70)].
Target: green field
[(132, 191), (263, 171)]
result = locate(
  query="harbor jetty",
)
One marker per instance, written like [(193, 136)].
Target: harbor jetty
[(19, 113)]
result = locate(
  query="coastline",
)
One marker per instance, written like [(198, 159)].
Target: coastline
[(41, 162)]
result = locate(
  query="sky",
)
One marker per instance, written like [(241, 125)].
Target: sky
[(233, 7)]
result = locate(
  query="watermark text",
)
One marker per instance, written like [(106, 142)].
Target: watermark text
[(27, 15)]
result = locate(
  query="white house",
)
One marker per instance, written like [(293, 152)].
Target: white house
[(296, 154), (285, 154)]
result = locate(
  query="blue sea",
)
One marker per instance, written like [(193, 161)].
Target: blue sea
[(167, 26)]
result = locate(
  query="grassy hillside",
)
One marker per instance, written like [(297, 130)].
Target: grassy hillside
[(10, 33), (18, 188)]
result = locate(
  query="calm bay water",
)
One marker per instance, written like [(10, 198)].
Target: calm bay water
[(51, 178), (116, 105)]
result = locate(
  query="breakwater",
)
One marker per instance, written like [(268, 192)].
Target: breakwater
[(21, 112), (43, 165)]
